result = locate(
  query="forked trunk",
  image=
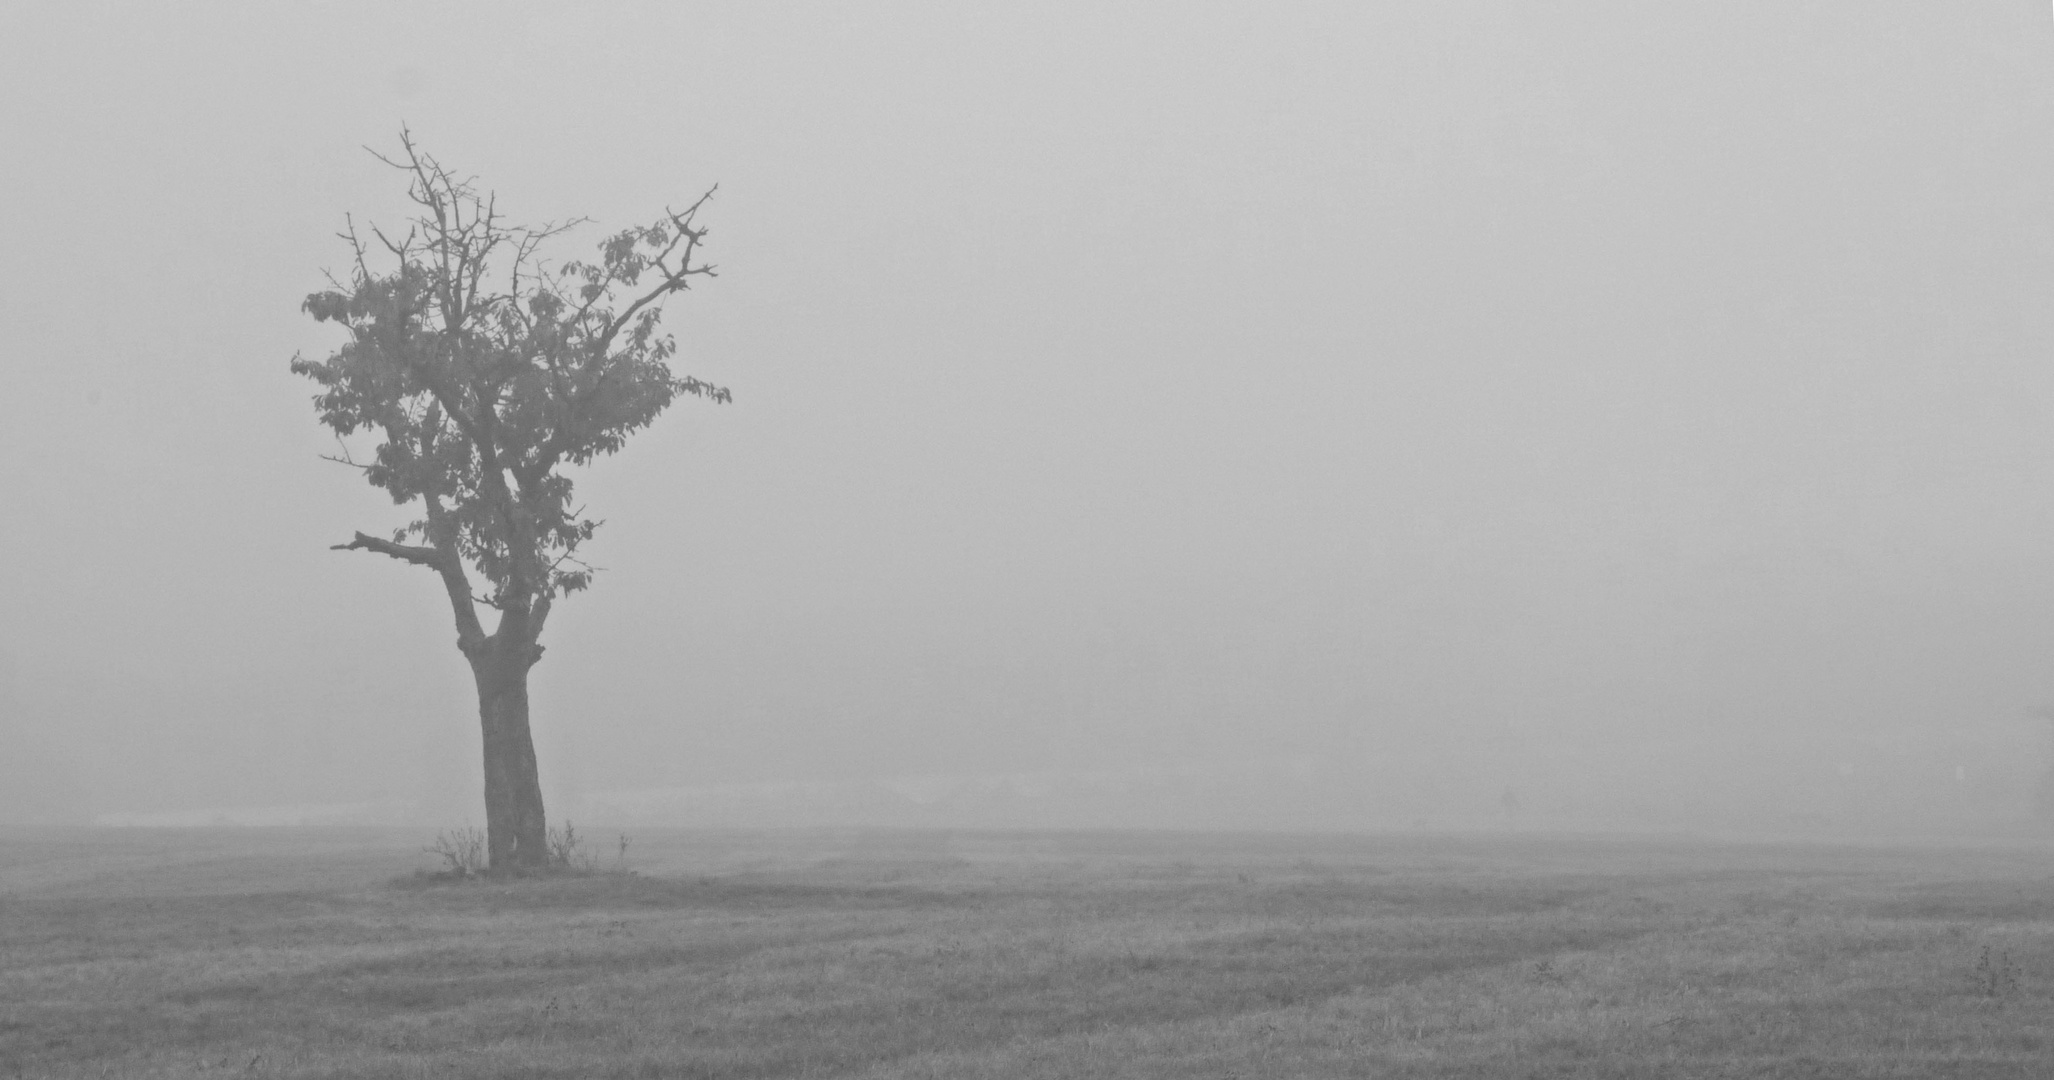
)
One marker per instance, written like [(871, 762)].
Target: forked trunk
[(515, 831)]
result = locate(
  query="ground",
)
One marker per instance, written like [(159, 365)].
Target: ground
[(309, 953)]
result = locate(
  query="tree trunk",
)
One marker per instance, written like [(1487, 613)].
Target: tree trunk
[(515, 831)]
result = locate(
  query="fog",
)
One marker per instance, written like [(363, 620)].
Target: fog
[(1198, 415)]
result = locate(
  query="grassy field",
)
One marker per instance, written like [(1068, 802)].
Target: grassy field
[(306, 953)]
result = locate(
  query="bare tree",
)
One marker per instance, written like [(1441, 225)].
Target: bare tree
[(484, 371)]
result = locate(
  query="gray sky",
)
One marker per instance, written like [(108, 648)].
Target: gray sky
[(1116, 386)]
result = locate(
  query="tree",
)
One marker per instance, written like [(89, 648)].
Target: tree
[(485, 372)]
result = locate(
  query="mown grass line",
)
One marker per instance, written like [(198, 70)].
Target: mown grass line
[(995, 968)]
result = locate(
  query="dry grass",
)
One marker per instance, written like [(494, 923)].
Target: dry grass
[(311, 954)]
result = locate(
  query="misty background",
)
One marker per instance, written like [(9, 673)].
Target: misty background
[(1217, 415)]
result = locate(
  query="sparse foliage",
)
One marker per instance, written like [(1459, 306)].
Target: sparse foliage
[(462, 851), (568, 850), (484, 371)]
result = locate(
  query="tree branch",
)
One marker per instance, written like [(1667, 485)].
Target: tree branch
[(419, 556), (673, 282), (469, 632)]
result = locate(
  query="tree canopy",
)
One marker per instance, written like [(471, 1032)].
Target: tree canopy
[(486, 370)]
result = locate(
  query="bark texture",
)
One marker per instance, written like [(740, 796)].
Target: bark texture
[(516, 830)]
